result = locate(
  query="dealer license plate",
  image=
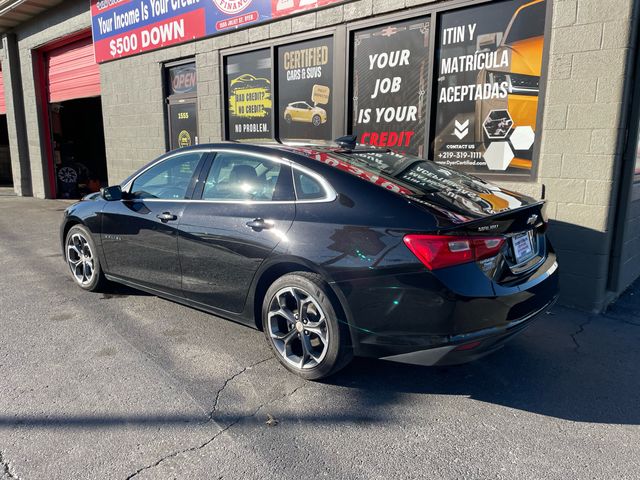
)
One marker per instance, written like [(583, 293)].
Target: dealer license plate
[(522, 247)]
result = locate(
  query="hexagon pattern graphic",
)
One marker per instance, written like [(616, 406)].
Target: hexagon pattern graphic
[(498, 156), (498, 124), (522, 138)]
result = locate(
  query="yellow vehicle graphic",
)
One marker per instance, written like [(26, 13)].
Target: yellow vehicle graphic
[(305, 113), (524, 42)]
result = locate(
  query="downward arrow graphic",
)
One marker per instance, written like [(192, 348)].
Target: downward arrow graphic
[(462, 129)]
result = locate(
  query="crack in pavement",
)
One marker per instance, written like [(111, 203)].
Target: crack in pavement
[(224, 429), (232, 377), (580, 330), (5, 468), (582, 326)]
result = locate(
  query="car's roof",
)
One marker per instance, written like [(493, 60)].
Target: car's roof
[(301, 148), (397, 173)]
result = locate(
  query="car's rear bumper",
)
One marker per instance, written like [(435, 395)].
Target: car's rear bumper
[(414, 319), (468, 347)]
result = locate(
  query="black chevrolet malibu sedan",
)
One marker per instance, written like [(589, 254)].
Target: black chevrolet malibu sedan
[(332, 251)]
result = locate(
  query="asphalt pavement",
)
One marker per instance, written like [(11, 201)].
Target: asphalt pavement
[(127, 385)]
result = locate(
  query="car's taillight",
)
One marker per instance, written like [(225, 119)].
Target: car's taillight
[(440, 251)]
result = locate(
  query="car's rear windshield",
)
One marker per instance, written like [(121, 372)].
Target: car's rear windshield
[(387, 162), (423, 176)]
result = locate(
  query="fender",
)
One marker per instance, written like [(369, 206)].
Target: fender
[(282, 264)]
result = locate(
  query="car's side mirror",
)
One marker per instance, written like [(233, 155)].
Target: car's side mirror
[(111, 194)]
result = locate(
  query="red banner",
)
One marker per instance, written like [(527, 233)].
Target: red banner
[(161, 34)]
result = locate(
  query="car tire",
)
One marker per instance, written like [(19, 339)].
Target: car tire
[(303, 328), (316, 120), (81, 256), (287, 118)]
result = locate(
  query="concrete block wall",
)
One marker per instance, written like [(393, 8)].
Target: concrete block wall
[(581, 130), (134, 118), (20, 168)]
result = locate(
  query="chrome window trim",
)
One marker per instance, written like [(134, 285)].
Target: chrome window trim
[(127, 186), (330, 193)]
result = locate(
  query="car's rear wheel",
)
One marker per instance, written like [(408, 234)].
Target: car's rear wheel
[(302, 326), (316, 120), (82, 258)]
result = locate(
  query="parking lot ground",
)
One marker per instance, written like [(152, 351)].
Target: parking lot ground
[(127, 385)]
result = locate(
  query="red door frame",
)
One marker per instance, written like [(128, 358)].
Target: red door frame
[(43, 97)]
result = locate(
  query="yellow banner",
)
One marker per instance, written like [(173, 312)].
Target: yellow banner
[(250, 102)]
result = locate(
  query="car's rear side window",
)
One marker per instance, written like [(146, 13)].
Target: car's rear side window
[(168, 180), (235, 176), (307, 187)]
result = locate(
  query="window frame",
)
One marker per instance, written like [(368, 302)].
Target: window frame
[(177, 99), (204, 173), (336, 32), (285, 169), (206, 154)]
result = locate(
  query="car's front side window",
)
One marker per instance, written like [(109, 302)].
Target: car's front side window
[(235, 176), (169, 179)]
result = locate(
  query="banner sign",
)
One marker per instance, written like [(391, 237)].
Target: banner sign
[(305, 79), (126, 27), (489, 67), (390, 70)]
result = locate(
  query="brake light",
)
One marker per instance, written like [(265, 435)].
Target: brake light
[(440, 251)]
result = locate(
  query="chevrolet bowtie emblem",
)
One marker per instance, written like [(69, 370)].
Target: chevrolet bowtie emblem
[(532, 219)]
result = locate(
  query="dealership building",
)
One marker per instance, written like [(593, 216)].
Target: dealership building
[(538, 96)]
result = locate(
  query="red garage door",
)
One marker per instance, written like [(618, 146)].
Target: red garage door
[(3, 105), (72, 71)]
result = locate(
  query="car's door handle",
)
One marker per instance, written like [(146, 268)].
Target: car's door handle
[(166, 216), (259, 224)]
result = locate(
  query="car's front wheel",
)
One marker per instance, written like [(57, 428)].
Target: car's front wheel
[(82, 258), (316, 120), (302, 326), (287, 118)]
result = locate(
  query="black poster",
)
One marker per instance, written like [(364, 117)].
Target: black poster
[(248, 80), (390, 68), (305, 81), (488, 72), (183, 125)]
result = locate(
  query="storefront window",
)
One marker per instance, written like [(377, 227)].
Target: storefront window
[(488, 82), (182, 95), (305, 82), (389, 71), (248, 88), (475, 109)]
